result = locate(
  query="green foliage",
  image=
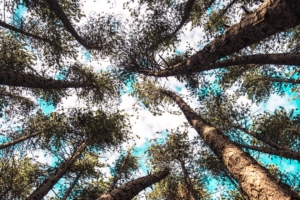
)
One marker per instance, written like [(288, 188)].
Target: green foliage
[(281, 127), (18, 177), (150, 96)]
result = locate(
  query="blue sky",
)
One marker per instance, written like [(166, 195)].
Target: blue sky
[(146, 124)]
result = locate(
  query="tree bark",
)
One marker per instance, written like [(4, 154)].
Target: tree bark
[(71, 187), (282, 153), (129, 190), (13, 78), (21, 139), (48, 184), (188, 182), (271, 17), (254, 179)]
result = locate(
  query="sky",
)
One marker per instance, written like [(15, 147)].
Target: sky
[(146, 125)]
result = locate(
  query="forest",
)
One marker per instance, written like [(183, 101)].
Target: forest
[(150, 99)]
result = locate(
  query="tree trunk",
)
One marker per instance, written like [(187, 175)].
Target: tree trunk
[(254, 179), (55, 7), (71, 187), (13, 78), (187, 11), (48, 184), (279, 80), (129, 190), (188, 182), (271, 17), (117, 177), (21, 139)]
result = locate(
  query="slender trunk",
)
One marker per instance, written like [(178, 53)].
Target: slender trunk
[(117, 177), (55, 7), (13, 78), (187, 11), (71, 187), (129, 190), (282, 153), (271, 17), (254, 179), (21, 139), (21, 31), (48, 184), (261, 138), (188, 182), (274, 59)]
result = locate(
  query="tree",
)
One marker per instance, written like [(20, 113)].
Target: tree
[(247, 44), (240, 165)]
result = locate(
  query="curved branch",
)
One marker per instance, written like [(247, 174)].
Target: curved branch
[(270, 18)]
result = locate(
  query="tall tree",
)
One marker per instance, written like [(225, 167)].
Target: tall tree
[(249, 174), (242, 166)]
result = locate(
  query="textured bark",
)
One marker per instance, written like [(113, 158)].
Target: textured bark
[(71, 187), (188, 182), (18, 30), (55, 7), (129, 190), (282, 153), (48, 184), (271, 17), (21, 139), (254, 179), (13, 78)]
